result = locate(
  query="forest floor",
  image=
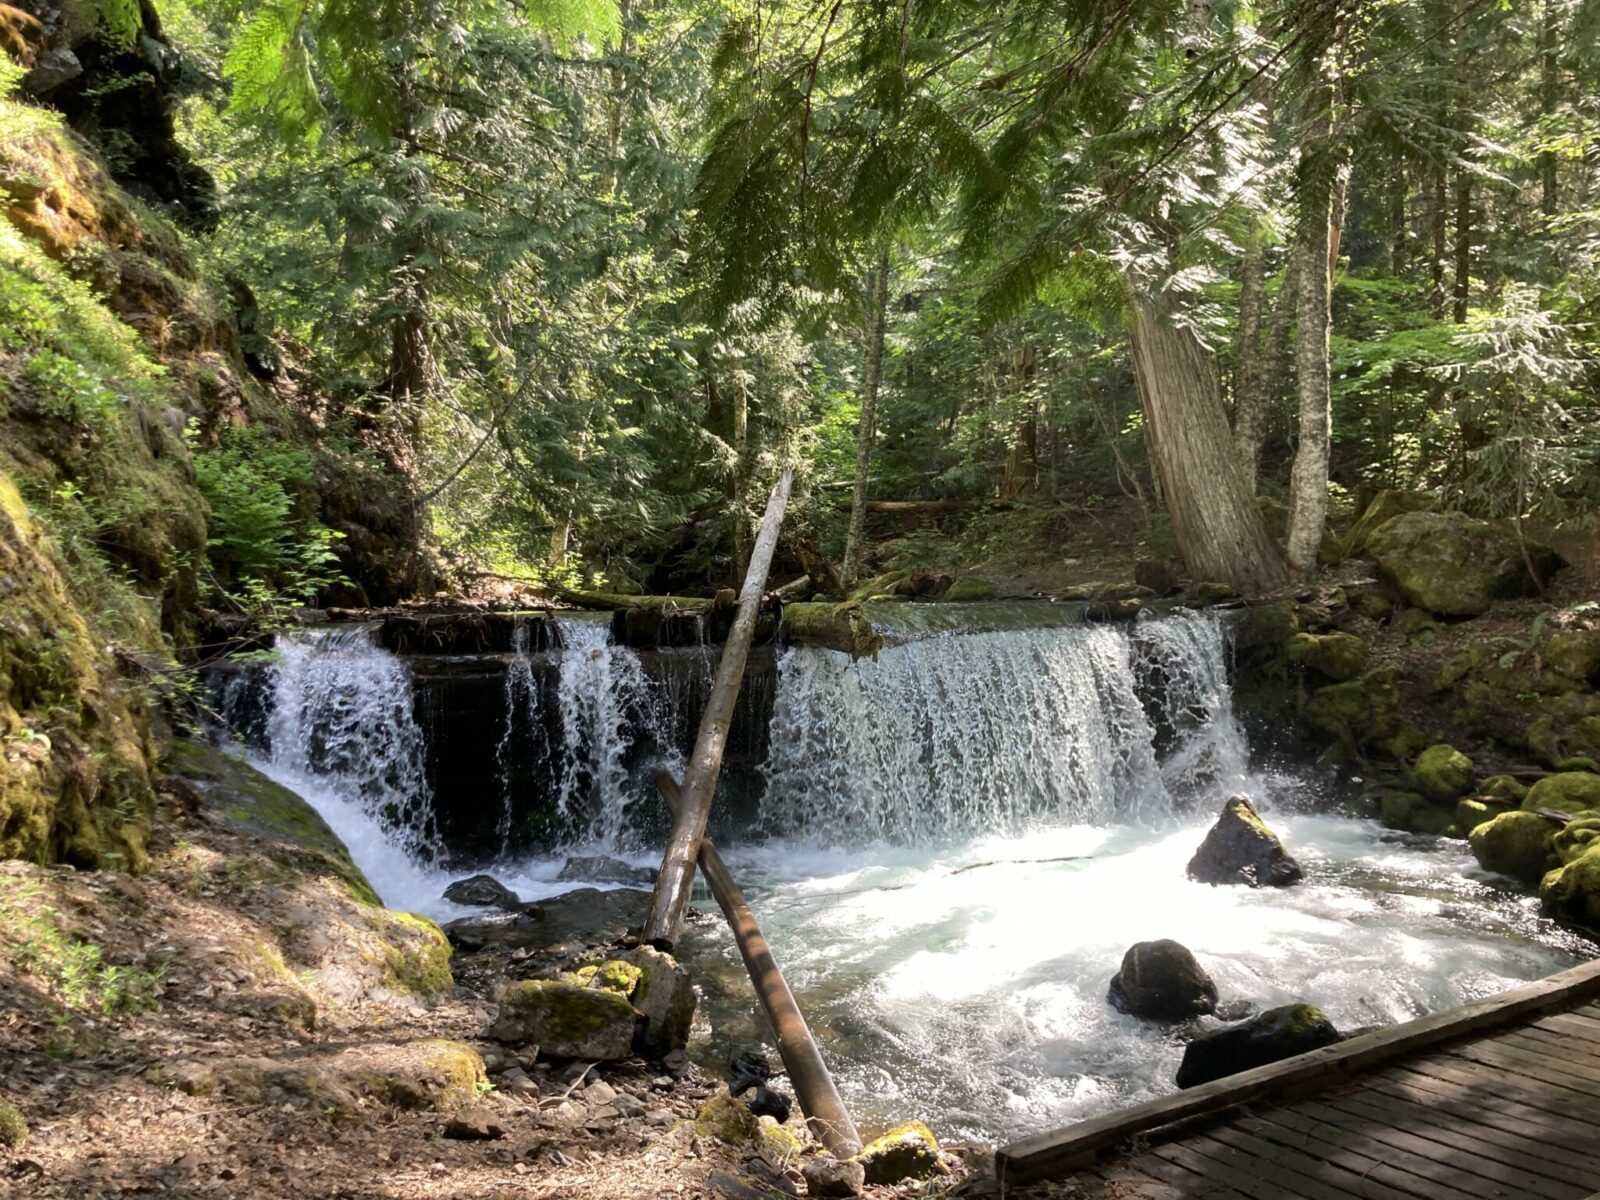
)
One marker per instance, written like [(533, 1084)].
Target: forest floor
[(152, 1053)]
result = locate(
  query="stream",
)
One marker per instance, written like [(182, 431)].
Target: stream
[(952, 848)]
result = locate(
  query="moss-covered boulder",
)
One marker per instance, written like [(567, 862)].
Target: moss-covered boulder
[(1570, 792), (1572, 891), (728, 1119), (1574, 840), (1575, 653), (1383, 508), (1361, 712), (13, 1128), (1241, 849), (1503, 787), (1517, 844), (1415, 813), (1568, 728), (665, 999), (1269, 1037), (1455, 565), (963, 590), (1442, 772), (1472, 812), (1339, 656), (566, 1020), (908, 1151)]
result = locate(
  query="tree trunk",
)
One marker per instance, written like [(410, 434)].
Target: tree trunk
[(1249, 378), (1462, 290), (877, 310), (1219, 530), (1021, 467), (1437, 302)]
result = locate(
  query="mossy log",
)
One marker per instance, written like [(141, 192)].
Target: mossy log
[(615, 601), (844, 627)]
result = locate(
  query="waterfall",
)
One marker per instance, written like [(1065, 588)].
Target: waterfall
[(342, 715), (521, 698), (953, 735)]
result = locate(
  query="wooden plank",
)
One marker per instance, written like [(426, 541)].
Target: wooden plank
[(1221, 1168), (1544, 1174), (1568, 1141), (1571, 1025), (1341, 1179), (1574, 1050), (1045, 1154), (1285, 1171), (1190, 1185), (1496, 1053), (1418, 1155), (1331, 1145), (1491, 1081)]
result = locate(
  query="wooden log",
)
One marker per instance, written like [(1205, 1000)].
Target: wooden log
[(671, 895), (613, 601), (923, 508), (823, 574), (825, 1112), (1061, 1150), (843, 627)]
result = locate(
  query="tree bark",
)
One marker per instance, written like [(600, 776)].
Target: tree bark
[(1275, 371), (1219, 530), (1249, 377), (1021, 467), (877, 311), (1462, 289), (676, 878), (1437, 301)]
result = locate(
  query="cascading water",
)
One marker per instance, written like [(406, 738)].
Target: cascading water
[(521, 697)]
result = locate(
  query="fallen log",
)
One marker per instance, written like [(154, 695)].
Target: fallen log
[(613, 601), (825, 1112), (832, 626), (671, 895), (922, 508)]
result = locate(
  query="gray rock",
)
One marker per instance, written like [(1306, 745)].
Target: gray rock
[(1241, 849), (828, 1177), (566, 1020), (475, 1124), (483, 891), (601, 868), (666, 997), (1162, 980)]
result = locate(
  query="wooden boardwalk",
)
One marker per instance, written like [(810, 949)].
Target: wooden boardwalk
[(1497, 1100)]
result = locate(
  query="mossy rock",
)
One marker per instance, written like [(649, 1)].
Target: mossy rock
[(1568, 727), (1575, 653), (1360, 712), (1471, 813), (1503, 787), (1369, 602), (13, 1128), (1269, 1037), (1570, 792), (1385, 507), (613, 975), (1339, 656), (1574, 839), (417, 955), (1518, 844), (728, 1119), (963, 590), (1415, 813), (1262, 632), (780, 1143), (1573, 889), (1208, 592), (1455, 565), (1442, 772), (908, 1151), (566, 1020)]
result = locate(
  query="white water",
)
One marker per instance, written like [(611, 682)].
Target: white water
[(972, 997)]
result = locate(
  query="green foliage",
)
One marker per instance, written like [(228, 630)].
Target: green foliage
[(74, 970)]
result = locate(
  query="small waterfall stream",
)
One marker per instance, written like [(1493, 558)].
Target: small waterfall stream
[(949, 847)]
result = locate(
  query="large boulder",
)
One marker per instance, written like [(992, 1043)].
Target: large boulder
[(1515, 844), (1162, 980), (1339, 656), (602, 868), (566, 1020), (1272, 1036), (1575, 653), (1364, 711), (1385, 507), (1572, 891), (482, 891), (1241, 849), (665, 997), (1455, 565), (1415, 813), (1443, 773), (1569, 792)]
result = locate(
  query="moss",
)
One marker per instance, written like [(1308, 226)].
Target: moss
[(780, 1143), (1339, 656), (1514, 843), (908, 1151), (566, 1020), (1383, 508), (1453, 565), (419, 961), (1415, 813), (1573, 890), (13, 1128), (613, 975), (1573, 840), (1442, 772), (1503, 787), (1570, 792), (1575, 653), (1568, 727), (969, 589), (1472, 813), (727, 1119), (1361, 712), (458, 1070)]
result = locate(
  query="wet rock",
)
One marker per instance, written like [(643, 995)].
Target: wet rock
[(1162, 980), (1454, 565), (965, 590), (601, 868), (1339, 656), (475, 1124), (590, 912), (1442, 772), (765, 1102), (566, 1020), (1572, 891), (1241, 849), (1570, 792), (1276, 1034), (1471, 813), (832, 1179), (483, 891), (909, 1151), (505, 931), (1415, 813), (1517, 844), (1575, 653), (748, 1070)]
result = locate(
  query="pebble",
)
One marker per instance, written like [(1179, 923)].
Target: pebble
[(658, 1116), (599, 1092)]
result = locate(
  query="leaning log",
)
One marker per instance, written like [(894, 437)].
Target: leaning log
[(705, 764), (843, 627), (826, 1114)]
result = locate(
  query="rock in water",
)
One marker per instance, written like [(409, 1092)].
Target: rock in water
[(601, 868), (666, 999), (1241, 849), (1163, 981), (483, 891), (566, 1020), (1276, 1034), (768, 1103), (748, 1070)]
